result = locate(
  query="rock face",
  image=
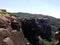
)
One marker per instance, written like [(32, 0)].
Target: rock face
[(35, 29), (10, 33), (13, 29)]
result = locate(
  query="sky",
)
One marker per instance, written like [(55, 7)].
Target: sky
[(46, 7)]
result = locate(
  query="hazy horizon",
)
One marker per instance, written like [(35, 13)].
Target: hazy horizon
[(45, 7)]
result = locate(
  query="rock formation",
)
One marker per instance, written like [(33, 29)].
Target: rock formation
[(35, 28), (10, 30), (14, 30)]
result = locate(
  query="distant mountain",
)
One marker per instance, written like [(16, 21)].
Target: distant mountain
[(53, 21)]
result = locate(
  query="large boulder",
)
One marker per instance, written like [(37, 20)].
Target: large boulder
[(12, 38), (10, 35)]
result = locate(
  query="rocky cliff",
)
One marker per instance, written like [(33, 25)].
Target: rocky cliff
[(10, 30), (36, 29), (14, 30)]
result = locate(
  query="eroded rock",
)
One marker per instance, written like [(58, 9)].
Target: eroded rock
[(10, 35)]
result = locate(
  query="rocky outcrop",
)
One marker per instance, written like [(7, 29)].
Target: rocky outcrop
[(36, 29), (13, 29), (10, 31)]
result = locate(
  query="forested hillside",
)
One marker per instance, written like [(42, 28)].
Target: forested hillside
[(53, 21)]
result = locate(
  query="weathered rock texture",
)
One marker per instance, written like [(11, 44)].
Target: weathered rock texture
[(10, 31), (36, 29)]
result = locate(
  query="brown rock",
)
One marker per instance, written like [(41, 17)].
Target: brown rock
[(8, 36)]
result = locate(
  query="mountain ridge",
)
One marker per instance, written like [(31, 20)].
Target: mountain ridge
[(53, 20)]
